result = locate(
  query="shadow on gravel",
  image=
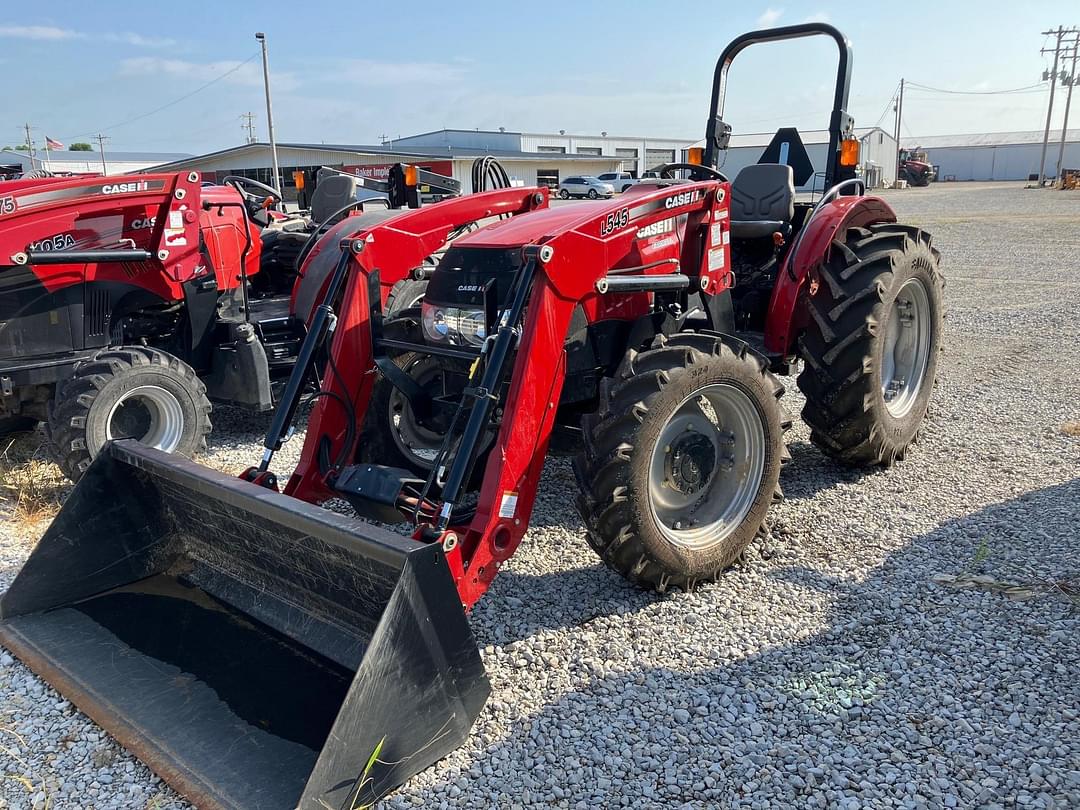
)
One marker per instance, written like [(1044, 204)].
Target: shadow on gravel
[(810, 471), (910, 688)]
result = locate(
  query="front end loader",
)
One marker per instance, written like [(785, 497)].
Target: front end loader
[(257, 649)]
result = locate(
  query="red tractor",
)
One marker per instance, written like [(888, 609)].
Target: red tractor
[(915, 167), (128, 303), (646, 332)]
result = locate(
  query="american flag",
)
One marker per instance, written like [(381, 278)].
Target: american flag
[(52, 145)]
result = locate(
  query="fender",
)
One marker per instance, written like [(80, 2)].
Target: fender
[(787, 314)]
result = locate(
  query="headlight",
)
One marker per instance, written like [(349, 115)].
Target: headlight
[(453, 325)]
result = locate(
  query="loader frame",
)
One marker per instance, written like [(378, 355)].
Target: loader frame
[(560, 269)]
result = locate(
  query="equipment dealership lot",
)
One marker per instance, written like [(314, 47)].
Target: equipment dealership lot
[(839, 666)]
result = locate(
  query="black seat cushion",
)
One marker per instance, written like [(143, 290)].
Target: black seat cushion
[(762, 200)]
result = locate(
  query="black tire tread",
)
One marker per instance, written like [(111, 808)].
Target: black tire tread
[(603, 469), (836, 347), (75, 396)]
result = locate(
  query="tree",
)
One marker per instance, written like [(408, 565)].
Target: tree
[(81, 147)]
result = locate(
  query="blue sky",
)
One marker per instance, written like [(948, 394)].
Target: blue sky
[(350, 72)]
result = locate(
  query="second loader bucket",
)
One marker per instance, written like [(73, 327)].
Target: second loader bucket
[(256, 651)]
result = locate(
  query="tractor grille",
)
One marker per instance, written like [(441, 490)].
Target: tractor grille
[(98, 312)]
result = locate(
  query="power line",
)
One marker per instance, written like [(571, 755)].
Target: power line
[(172, 103), (888, 105), (1028, 88)]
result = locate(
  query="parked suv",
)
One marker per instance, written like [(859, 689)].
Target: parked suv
[(585, 186), (620, 180)]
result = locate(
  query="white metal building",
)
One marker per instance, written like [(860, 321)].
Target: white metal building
[(997, 155), (86, 162), (636, 153), (454, 160), (877, 154)]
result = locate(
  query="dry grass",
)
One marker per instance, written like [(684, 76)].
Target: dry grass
[(1071, 429), (31, 487)]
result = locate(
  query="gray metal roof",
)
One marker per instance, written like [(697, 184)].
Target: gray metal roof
[(1029, 136), (429, 152), (808, 136)]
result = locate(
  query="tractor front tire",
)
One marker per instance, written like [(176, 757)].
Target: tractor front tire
[(872, 347), (406, 294), (682, 461), (129, 392)]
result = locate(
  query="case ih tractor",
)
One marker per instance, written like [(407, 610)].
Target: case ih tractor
[(128, 303), (915, 167), (649, 329)]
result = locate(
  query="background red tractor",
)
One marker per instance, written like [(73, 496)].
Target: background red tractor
[(915, 167), (128, 304), (650, 331)]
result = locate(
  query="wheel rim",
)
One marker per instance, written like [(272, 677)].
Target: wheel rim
[(707, 466), (149, 414), (905, 353)]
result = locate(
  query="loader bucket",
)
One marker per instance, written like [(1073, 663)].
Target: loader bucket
[(253, 649)]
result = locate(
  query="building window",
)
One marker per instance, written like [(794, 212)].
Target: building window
[(626, 153), (658, 157), (589, 150), (557, 150), (547, 177), (881, 137)]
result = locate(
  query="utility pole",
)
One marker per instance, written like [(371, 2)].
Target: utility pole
[(1059, 35), (249, 118), (261, 37), (1068, 104), (29, 145), (899, 117), (101, 148)]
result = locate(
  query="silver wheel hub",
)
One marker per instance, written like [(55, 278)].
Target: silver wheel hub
[(149, 414), (905, 353), (707, 466)]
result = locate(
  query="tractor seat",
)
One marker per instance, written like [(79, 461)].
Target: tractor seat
[(333, 192), (762, 201)]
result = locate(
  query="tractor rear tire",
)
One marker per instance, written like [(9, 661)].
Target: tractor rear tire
[(128, 392), (682, 461), (872, 347)]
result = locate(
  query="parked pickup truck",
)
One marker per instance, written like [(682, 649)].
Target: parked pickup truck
[(620, 181)]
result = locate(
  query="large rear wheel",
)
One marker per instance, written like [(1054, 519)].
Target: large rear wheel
[(682, 462), (871, 349), (132, 392)]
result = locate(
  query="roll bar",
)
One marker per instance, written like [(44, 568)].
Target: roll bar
[(717, 133)]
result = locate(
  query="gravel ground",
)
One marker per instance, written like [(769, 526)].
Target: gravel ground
[(906, 638)]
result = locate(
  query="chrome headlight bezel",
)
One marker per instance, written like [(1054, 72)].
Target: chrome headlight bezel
[(455, 326)]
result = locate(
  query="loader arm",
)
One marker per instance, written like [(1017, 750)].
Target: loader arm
[(386, 251)]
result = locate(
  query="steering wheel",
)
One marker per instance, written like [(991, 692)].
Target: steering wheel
[(667, 171), (268, 199)]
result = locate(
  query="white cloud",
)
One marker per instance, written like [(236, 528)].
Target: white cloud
[(769, 17), (139, 40), (42, 32), (50, 33), (372, 73)]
